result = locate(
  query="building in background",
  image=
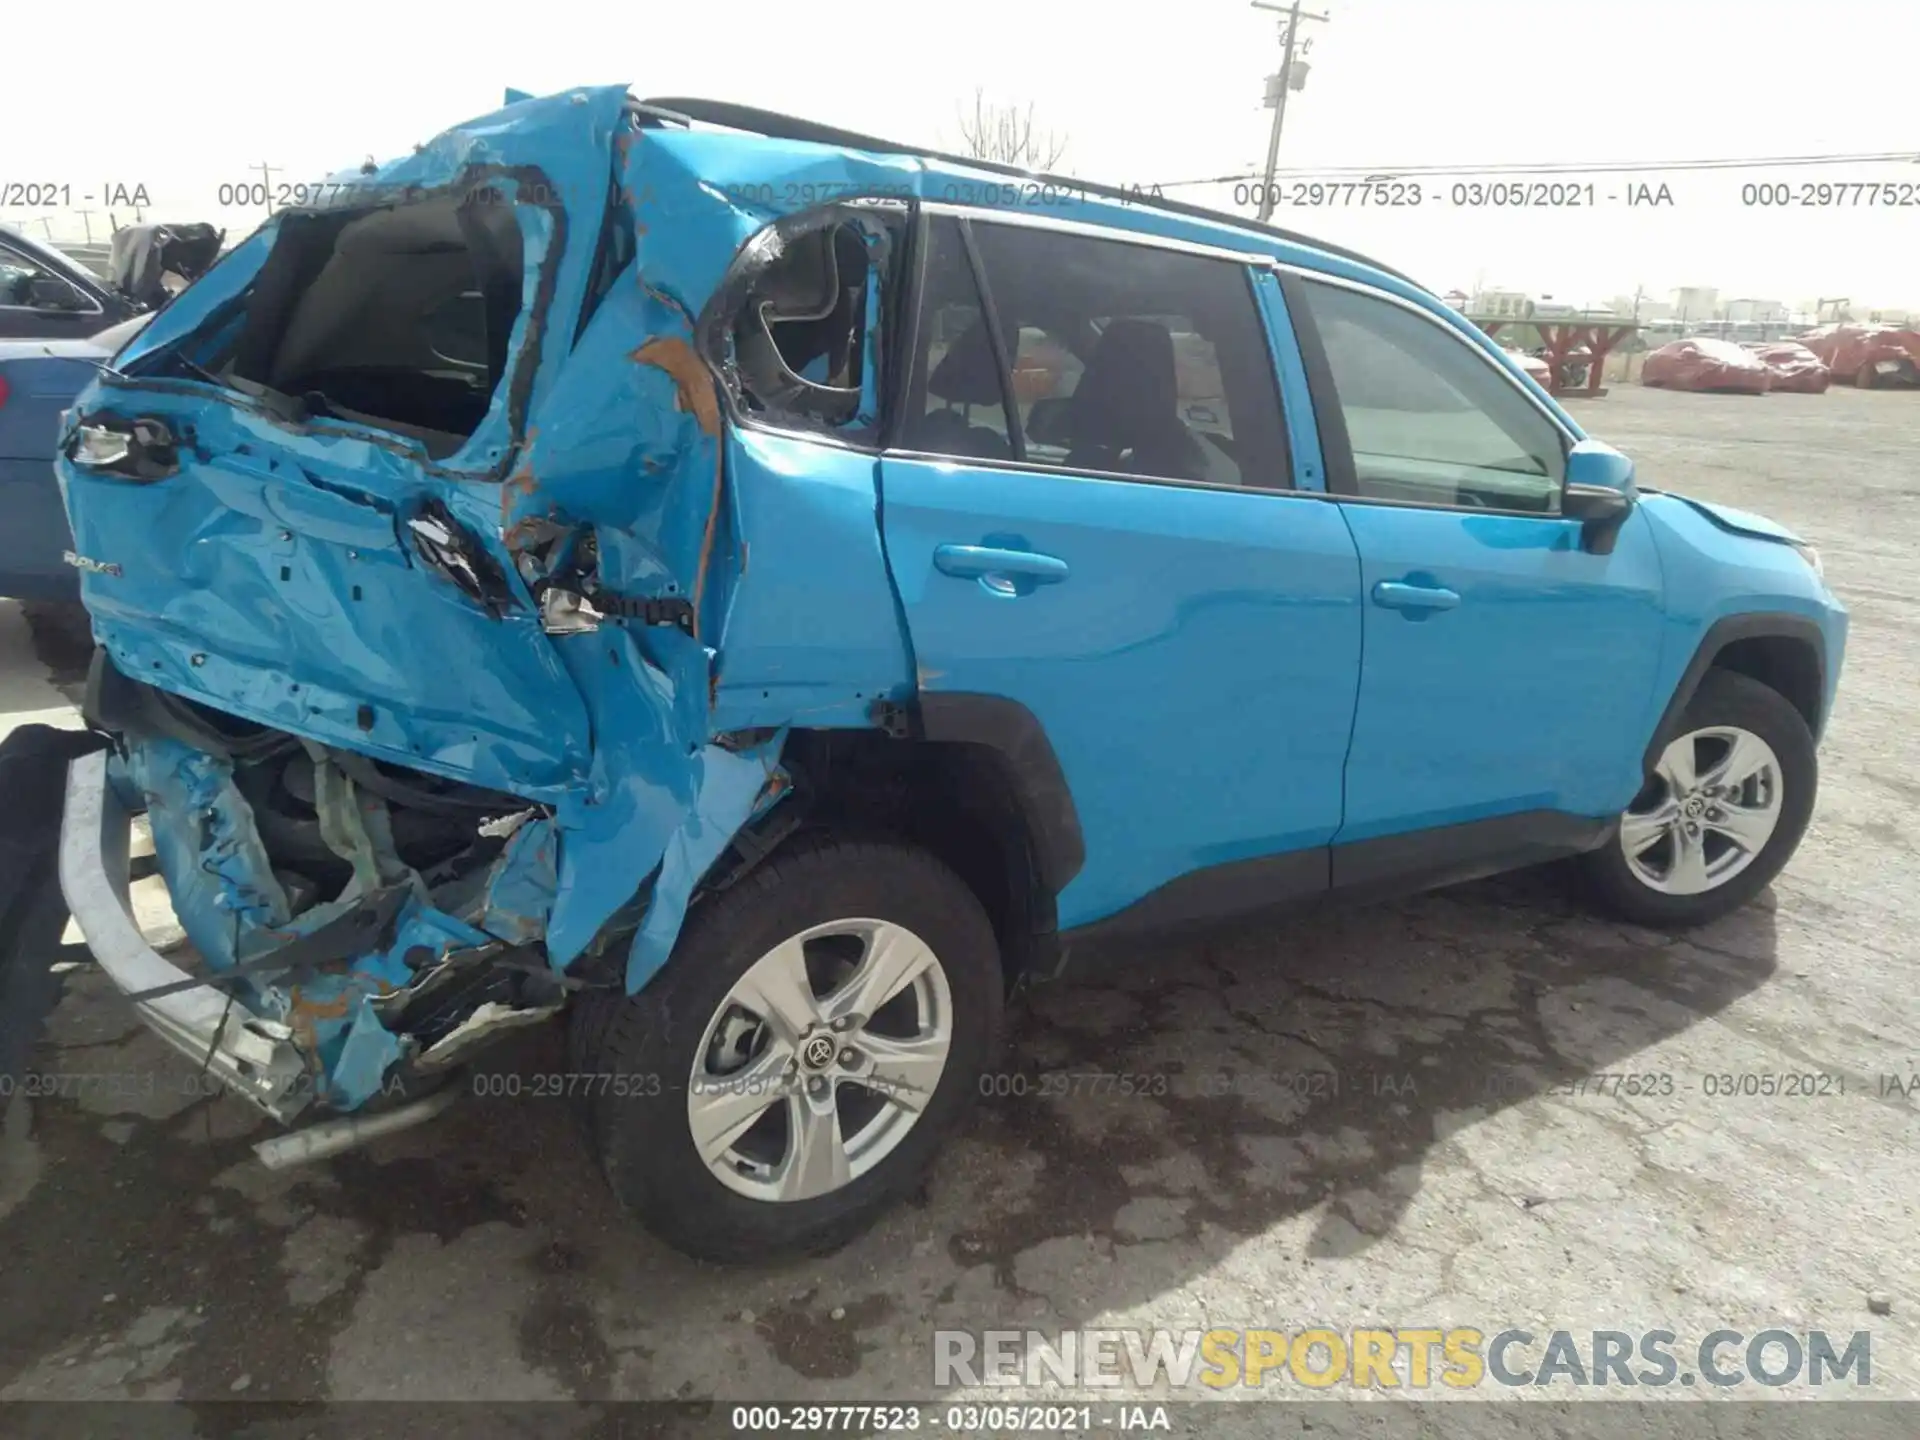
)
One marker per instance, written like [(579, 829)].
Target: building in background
[(1505, 304), (1643, 305), (1757, 312), (1696, 302)]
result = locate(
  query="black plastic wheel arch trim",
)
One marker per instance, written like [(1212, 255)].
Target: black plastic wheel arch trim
[(1756, 625), (1017, 734)]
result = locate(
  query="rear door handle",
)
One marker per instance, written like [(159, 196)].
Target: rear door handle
[(1398, 595), (984, 562)]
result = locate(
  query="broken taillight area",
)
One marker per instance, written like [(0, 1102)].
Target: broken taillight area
[(141, 450), (392, 920)]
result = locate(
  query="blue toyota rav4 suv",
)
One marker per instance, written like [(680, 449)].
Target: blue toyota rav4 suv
[(764, 590)]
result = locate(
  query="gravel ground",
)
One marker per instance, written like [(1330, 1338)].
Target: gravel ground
[(1452, 1180)]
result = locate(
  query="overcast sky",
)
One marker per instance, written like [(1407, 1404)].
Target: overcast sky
[(1144, 93)]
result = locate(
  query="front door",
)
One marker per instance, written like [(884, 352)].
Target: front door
[(1507, 671), (38, 303), (1088, 513)]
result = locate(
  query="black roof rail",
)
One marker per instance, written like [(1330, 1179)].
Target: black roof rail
[(776, 126)]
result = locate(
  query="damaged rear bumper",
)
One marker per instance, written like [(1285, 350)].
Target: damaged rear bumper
[(254, 1056)]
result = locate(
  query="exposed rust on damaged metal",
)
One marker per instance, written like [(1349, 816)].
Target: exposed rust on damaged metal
[(706, 541), (310, 1010), (527, 532), (522, 481), (697, 394), (672, 302)]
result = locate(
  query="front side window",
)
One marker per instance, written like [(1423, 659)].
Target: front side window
[(1429, 420), (1117, 358)]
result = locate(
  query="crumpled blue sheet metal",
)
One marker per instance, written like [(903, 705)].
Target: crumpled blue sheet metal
[(353, 1049), (235, 910), (733, 788), (521, 884), (274, 577)]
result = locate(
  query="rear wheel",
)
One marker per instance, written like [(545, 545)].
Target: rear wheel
[(1723, 811), (820, 1030)]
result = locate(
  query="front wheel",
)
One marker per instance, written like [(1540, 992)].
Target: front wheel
[(820, 1030), (1723, 811)]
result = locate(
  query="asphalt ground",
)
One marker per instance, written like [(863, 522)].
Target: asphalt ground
[(1393, 1116)]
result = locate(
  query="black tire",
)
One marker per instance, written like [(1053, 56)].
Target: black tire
[(1724, 698), (645, 1145), (589, 1018)]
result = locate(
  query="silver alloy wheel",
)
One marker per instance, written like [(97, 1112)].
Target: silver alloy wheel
[(820, 1060), (1707, 813)]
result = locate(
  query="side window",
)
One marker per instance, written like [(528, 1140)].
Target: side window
[(1429, 420), (30, 286), (806, 323), (1122, 358)]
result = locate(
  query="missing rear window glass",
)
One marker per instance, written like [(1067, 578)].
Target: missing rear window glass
[(802, 303), (400, 317)]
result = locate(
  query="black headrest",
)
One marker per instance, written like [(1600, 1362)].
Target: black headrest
[(1128, 395), (968, 374)]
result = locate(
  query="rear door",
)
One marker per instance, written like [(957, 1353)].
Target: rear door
[(1089, 511), (1507, 671)]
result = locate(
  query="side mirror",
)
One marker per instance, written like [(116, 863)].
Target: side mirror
[(49, 293), (1599, 492)]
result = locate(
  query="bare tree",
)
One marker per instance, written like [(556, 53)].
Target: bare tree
[(1006, 134)]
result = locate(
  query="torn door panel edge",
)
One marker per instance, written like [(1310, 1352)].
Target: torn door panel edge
[(367, 1016)]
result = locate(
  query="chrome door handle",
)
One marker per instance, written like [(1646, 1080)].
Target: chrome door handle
[(984, 562), (1398, 595)]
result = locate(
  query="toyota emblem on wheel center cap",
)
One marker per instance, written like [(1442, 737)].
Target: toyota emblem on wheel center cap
[(818, 1052)]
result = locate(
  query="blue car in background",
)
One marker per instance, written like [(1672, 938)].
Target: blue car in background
[(38, 380)]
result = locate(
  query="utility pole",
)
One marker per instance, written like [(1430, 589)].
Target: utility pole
[(267, 173), (1291, 31)]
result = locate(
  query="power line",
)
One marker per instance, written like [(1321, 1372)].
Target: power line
[(1596, 167)]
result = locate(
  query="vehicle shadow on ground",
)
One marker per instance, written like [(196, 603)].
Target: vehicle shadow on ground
[(1312, 1064), (62, 638), (1150, 1117)]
